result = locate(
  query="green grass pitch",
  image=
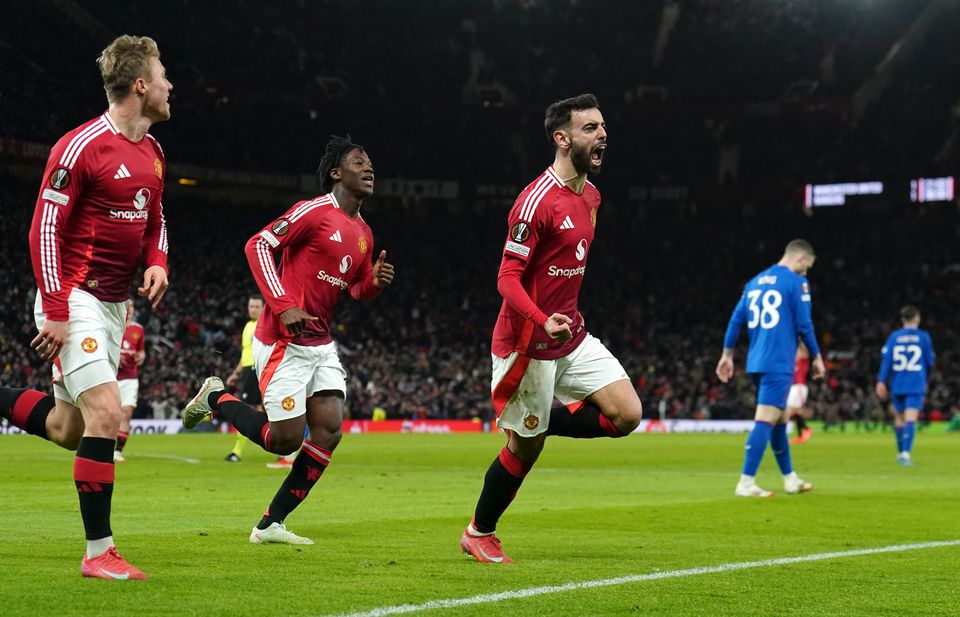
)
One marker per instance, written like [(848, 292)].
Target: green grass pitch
[(388, 514)]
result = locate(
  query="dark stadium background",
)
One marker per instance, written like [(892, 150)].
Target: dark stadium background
[(719, 114)]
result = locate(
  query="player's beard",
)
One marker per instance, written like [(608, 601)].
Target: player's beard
[(580, 157)]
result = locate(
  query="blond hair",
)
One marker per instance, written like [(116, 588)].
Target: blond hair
[(124, 61), (799, 246)]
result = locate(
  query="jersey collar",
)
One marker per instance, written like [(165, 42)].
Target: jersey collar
[(110, 123)]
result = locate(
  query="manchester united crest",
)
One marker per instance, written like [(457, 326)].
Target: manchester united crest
[(288, 403), (89, 344), (531, 422), (158, 167), (362, 245)]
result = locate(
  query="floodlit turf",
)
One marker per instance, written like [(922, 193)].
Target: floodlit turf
[(388, 514)]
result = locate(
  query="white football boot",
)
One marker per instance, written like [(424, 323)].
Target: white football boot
[(276, 533), (751, 490), (198, 408), (794, 485)]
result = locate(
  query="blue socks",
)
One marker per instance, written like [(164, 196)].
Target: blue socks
[(756, 445), (781, 448), (909, 431)]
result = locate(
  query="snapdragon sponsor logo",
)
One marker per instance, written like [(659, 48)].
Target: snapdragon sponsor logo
[(129, 215), (566, 272), (333, 280), (141, 198), (581, 249)]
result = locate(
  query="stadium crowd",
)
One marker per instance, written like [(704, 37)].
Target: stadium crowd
[(660, 285)]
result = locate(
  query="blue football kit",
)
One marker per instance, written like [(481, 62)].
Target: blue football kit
[(775, 307), (906, 360)]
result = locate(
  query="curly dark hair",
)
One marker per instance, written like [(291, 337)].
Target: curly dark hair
[(333, 153)]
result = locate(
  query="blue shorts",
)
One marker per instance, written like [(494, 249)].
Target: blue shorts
[(907, 401), (772, 388)]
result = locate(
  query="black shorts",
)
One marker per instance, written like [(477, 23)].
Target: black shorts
[(249, 387)]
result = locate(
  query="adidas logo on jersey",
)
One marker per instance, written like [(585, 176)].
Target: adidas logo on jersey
[(336, 237), (121, 173), (567, 223)]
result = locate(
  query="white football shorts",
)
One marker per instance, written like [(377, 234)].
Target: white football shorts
[(91, 353), (129, 389), (523, 388), (289, 374), (798, 395)]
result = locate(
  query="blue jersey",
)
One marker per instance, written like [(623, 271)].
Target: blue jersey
[(775, 306), (906, 359)]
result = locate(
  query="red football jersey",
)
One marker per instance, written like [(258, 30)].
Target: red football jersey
[(99, 210), (550, 232), (132, 344), (800, 369), (324, 251)]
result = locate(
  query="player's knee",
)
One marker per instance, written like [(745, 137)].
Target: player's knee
[(285, 444), (64, 425), (626, 415), (102, 420), (323, 437), (326, 439), (527, 448), (630, 417), (68, 438)]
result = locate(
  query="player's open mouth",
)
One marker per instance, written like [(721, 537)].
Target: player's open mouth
[(367, 179), (596, 155)]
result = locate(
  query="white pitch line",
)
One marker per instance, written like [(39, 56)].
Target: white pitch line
[(635, 578)]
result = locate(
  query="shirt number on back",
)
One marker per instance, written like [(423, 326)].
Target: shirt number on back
[(900, 360), (765, 314)]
